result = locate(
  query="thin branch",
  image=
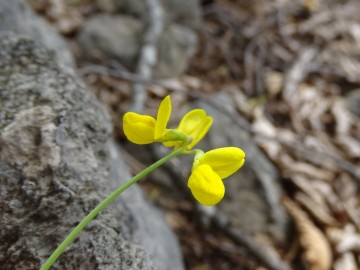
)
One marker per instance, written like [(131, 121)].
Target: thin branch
[(117, 73), (264, 253), (315, 155), (148, 52), (297, 73)]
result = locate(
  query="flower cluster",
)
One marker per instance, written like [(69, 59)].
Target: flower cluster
[(208, 169)]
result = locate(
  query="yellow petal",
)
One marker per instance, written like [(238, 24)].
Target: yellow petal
[(139, 128), (206, 186), (195, 124), (170, 143), (224, 161), (163, 117)]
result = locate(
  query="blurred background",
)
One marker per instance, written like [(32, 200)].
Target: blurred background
[(281, 79)]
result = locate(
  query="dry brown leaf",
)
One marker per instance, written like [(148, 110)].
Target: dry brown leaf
[(157, 91), (176, 220), (316, 117), (315, 197), (310, 171), (345, 239), (174, 84), (346, 262), (346, 187), (38, 5), (274, 82), (317, 251), (312, 5), (342, 117), (322, 143), (318, 211), (349, 145), (264, 127), (191, 82), (305, 185), (66, 20), (240, 100), (351, 207), (354, 30), (351, 67), (313, 106)]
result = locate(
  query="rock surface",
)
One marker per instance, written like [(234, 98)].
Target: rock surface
[(55, 167), (120, 38), (111, 37), (16, 16)]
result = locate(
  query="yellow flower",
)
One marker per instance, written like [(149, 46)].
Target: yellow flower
[(145, 129), (195, 124), (224, 161), (205, 181), (206, 185), (139, 128), (163, 117)]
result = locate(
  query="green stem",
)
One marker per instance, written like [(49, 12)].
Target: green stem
[(75, 232), (197, 152)]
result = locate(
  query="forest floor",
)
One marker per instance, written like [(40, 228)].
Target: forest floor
[(293, 70)]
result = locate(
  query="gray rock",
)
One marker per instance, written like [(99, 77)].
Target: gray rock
[(176, 47), (119, 37), (16, 16), (113, 37), (186, 13), (152, 233), (56, 163)]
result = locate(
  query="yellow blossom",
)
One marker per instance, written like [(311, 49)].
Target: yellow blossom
[(195, 124), (224, 161), (163, 117), (206, 185), (145, 129), (209, 169), (139, 128)]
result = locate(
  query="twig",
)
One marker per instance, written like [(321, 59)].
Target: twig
[(148, 52), (259, 74), (348, 10), (249, 60), (224, 47), (265, 254), (281, 19), (315, 155), (117, 73), (296, 73)]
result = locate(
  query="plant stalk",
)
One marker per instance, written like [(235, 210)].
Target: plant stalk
[(75, 232)]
